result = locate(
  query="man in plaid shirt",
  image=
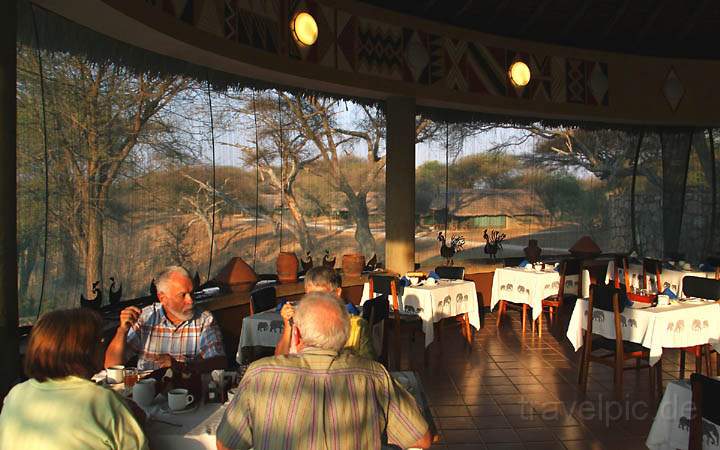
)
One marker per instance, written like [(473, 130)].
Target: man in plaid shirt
[(171, 334)]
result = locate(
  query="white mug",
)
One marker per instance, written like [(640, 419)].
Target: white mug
[(115, 374), (430, 281), (663, 300), (144, 391), (179, 399)]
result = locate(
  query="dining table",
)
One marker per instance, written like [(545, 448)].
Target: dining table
[(434, 302), (528, 285), (671, 426), (683, 323), (671, 278)]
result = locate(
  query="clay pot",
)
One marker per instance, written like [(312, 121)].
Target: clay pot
[(237, 275), (287, 267), (353, 264)]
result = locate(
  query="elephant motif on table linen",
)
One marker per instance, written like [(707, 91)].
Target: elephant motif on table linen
[(705, 324), (632, 323), (670, 326), (696, 325), (679, 326), (262, 326), (599, 316)]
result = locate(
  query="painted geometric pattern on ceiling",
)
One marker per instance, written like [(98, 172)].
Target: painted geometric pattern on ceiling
[(369, 47)]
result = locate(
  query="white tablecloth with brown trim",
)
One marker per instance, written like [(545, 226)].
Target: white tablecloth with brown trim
[(447, 298), (682, 324)]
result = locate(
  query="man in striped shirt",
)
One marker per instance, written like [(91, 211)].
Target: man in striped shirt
[(320, 398), (171, 334)]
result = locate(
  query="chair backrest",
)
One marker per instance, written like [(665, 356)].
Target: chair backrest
[(654, 267), (620, 261), (450, 272), (376, 309), (386, 285), (603, 297), (705, 392), (568, 267), (606, 298), (262, 300), (707, 288)]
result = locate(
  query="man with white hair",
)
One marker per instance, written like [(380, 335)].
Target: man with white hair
[(172, 334), (320, 398)]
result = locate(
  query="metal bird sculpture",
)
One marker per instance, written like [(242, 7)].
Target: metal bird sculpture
[(94, 303), (115, 295), (493, 242), (449, 251)]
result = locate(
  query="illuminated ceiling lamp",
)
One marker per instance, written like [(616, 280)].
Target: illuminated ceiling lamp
[(304, 29), (519, 74)]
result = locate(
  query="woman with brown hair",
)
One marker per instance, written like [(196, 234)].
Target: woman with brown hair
[(59, 407)]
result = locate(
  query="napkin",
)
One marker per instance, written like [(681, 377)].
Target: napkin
[(432, 274), (523, 263), (670, 293), (404, 281)]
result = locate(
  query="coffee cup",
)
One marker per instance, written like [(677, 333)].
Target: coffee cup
[(179, 399), (144, 392), (115, 374), (430, 281), (231, 394), (663, 300)]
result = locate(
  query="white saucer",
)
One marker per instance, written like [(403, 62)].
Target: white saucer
[(190, 408)]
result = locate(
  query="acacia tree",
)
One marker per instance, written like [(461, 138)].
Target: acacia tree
[(100, 114), (277, 149)]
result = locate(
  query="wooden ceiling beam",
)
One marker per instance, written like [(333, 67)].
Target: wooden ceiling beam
[(572, 21), (492, 18), (692, 21), (463, 9), (427, 4), (659, 6), (619, 13), (534, 16)]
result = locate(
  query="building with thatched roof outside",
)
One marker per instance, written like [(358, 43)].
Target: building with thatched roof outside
[(487, 208)]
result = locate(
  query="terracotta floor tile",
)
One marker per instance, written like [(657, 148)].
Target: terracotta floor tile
[(455, 423), (450, 411), (491, 422), (496, 435)]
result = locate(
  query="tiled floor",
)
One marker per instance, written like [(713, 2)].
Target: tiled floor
[(515, 391)]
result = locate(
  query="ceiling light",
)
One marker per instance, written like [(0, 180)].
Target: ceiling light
[(519, 74), (304, 29)]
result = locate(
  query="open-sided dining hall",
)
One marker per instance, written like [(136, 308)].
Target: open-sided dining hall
[(359, 224)]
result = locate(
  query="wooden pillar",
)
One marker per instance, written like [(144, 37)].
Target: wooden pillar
[(9, 354), (400, 185)]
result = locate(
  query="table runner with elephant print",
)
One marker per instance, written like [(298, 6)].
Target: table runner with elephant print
[(447, 298), (671, 426), (675, 326)]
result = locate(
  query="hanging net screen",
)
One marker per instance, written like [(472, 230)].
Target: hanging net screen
[(123, 171)]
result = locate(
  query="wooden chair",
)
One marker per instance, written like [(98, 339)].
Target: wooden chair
[(654, 267), (621, 260), (705, 392), (262, 299), (553, 303), (375, 311), (613, 352), (706, 288), (450, 272), (389, 286)]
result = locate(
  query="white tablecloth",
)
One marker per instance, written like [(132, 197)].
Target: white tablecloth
[(679, 325), (670, 277), (448, 298), (262, 329), (671, 427), (197, 432), (518, 285)]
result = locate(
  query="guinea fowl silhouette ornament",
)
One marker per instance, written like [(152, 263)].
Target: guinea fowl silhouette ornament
[(449, 251)]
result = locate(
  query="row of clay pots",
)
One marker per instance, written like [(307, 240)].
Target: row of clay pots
[(239, 276), (288, 265)]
